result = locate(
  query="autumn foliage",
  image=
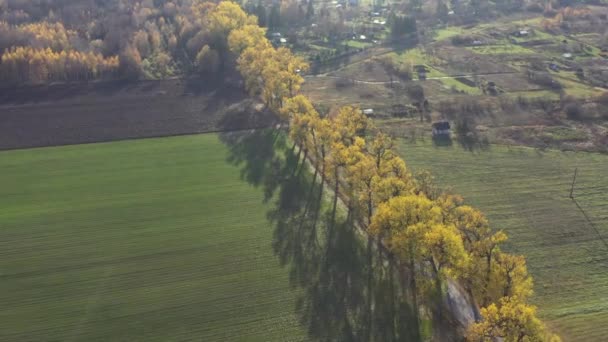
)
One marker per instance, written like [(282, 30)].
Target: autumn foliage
[(429, 236), (152, 39), (30, 65)]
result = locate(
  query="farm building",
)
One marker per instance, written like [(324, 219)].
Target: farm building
[(421, 70), (521, 33), (441, 129)]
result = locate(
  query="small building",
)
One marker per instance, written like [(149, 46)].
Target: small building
[(368, 112), (491, 88), (554, 67), (421, 70), (441, 129), (399, 110)]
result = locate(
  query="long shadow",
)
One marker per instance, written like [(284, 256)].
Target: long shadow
[(473, 143), (327, 262)]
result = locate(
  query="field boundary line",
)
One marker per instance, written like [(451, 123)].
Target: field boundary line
[(155, 136), (591, 223)]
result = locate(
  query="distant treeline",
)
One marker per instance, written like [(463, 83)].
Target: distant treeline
[(58, 40)]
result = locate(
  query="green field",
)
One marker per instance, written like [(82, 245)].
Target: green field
[(510, 49), (155, 239), (525, 192), (203, 237)]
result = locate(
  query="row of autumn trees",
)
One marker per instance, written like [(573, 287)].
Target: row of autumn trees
[(431, 237)]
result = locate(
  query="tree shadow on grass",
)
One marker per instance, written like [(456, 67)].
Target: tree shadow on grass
[(343, 295), (473, 143)]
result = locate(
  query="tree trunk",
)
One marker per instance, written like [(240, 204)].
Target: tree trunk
[(335, 205), (303, 162), (414, 290), (370, 297), (391, 279), (437, 290), (486, 298)]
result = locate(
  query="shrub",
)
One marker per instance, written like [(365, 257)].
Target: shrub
[(343, 83), (602, 99), (545, 80), (574, 111), (535, 7), (416, 92), (462, 40)]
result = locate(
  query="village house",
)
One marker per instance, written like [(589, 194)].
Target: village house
[(441, 129)]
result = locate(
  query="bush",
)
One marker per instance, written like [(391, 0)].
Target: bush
[(343, 83), (602, 99), (416, 92), (535, 7), (545, 104), (545, 80), (574, 111), (462, 40)]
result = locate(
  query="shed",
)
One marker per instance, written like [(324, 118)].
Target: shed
[(554, 67), (441, 128), (421, 74)]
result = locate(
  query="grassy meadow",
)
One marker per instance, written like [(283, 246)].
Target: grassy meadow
[(155, 239), (525, 192), (203, 237)]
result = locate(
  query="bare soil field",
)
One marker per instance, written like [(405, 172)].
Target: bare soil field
[(105, 111)]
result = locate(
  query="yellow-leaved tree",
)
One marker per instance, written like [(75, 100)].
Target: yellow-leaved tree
[(511, 320), (247, 36), (301, 114)]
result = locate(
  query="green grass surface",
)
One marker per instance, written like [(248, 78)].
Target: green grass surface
[(155, 239), (448, 32), (573, 85), (509, 49), (357, 44), (184, 238), (525, 192), (418, 57)]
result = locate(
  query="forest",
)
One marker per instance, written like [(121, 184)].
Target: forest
[(47, 40)]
